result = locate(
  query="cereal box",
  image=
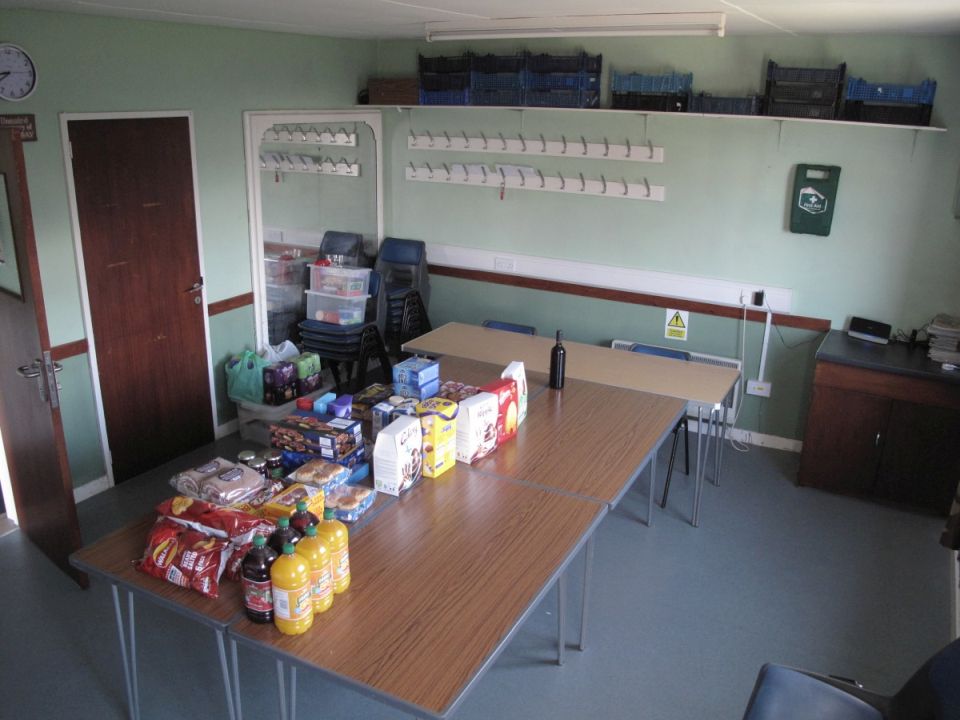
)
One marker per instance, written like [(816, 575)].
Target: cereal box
[(397, 462), (506, 392), (477, 427), (438, 421)]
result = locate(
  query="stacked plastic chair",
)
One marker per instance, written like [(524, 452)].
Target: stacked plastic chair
[(402, 265), (347, 247), (352, 344)]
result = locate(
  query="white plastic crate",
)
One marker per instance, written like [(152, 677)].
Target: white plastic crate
[(335, 308), (343, 281)]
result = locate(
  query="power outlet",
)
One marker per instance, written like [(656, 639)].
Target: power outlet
[(504, 264), (759, 387)]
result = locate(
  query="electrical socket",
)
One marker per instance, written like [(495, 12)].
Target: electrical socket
[(757, 298), (759, 387), (504, 264)]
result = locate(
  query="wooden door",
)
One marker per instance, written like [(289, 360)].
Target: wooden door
[(133, 181), (29, 405)]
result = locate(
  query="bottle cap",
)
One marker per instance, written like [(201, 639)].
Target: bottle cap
[(559, 335), (283, 522), (289, 549), (311, 530), (259, 541), (302, 506), (328, 514)]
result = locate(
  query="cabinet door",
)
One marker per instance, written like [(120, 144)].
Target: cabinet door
[(843, 440), (921, 456)]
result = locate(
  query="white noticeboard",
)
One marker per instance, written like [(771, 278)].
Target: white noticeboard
[(676, 324)]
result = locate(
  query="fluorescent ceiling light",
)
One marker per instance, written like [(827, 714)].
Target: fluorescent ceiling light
[(669, 24)]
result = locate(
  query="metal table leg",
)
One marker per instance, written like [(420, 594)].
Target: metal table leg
[(723, 437), (561, 615), (587, 570), (225, 670), (715, 424), (282, 691), (653, 487), (236, 679), (703, 452), (129, 658), (284, 703)]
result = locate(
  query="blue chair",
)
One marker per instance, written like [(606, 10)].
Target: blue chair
[(783, 693), (675, 355), (406, 281), (509, 327), (346, 245)]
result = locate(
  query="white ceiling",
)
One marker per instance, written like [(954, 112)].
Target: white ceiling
[(400, 19)]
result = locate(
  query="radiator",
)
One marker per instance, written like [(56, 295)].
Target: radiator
[(708, 360)]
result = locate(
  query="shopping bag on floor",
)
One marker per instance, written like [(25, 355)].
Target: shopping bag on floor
[(245, 377)]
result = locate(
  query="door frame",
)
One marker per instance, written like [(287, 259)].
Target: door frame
[(255, 123), (65, 119)]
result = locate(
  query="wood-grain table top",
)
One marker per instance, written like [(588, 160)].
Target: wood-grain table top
[(477, 372), (697, 382), (112, 557), (439, 583)]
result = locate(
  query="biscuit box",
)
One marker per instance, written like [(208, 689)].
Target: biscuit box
[(397, 462), (284, 503), (364, 400), (416, 371), (456, 391), (477, 427), (311, 452), (506, 392), (279, 374), (515, 371), (438, 423), (303, 428), (417, 392), (307, 364), (279, 395)]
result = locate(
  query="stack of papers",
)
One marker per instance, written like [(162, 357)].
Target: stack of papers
[(944, 334)]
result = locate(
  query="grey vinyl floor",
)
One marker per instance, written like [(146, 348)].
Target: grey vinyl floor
[(680, 619)]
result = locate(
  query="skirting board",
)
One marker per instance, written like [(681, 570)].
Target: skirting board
[(88, 490), (228, 428), (748, 437)]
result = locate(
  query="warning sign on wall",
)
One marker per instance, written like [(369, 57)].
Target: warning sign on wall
[(678, 321)]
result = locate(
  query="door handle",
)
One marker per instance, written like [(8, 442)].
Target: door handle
[(196, 287), (31, 371)]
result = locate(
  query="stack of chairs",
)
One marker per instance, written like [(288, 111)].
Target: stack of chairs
[(344, 247), (402, 265)]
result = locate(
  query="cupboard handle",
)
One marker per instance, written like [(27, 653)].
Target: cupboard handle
[(877, 440)]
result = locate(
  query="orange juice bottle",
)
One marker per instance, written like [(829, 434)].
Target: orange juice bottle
[(317, 554), (334, 533), (292, 605)]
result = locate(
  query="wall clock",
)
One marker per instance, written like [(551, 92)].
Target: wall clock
[(18, 74)]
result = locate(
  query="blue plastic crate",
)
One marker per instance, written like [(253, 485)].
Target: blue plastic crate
[(565, 63), (704, 103), (496, 81), (643, 83), (922, 94), (496, 97), (445, 97), (561, 81), (499, 63)]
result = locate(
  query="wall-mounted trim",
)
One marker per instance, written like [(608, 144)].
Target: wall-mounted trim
[(782, 320), (94, 487), (231, 303), (70, 349)]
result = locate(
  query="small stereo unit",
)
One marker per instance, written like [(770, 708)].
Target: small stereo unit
[(871, 330)]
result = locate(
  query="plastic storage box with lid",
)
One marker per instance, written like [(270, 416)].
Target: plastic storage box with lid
[(336, 309), (284, 298), (343, 281)]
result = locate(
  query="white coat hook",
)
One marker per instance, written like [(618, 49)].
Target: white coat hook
[(522, 142), (629, 149), (626, 188), (429, 170), (414, 168), (449, 143), (543, 182), (484, 138), (564, 138), (303, 135), (503, 178), (429, 135), (263, 163), (328, 131), (523, 180), (466, 140), (503, 141), (303, 163), (447, 170), (606, 148), (583, 140), (413, 138), (563, 182), (289, 135), (650, 147), (583, 183), (543, 144), (276, 134), (604, 181), (343, 131), (346, 166), (647, 185), (483, 169)]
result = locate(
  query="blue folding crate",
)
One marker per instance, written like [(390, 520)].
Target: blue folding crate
[(445, 97), (496, 97), (499, 63), (546, 63), (922, 94), (496, 81), (671, 83)]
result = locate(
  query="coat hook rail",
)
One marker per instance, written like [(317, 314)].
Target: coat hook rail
[(605, 150)]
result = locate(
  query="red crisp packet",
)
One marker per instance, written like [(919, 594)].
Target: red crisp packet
[(185, 557), (508, 408)]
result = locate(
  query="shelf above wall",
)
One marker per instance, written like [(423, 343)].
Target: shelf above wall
[(589, 111)]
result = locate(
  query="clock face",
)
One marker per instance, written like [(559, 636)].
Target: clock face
[(18, 75)]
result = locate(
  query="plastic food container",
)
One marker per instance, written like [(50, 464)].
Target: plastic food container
[(344, 281), (336, 309)]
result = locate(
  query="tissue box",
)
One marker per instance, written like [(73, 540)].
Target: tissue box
[(507, 410), (416, 371), (397, 462), (438, 422), (477, 427)]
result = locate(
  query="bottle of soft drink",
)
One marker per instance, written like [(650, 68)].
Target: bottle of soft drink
[(282, 535), (335, 534), (317, 554), (303, 518), (292, 603), (255, 575)]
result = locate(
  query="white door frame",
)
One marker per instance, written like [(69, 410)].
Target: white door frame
[(66, 118), (255, 124)]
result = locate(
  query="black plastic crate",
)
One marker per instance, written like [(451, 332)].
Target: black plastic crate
[(553, 98), (817, 111), (454, 64), (496, 81), (703, 103), (779, 73), (496, 97), (889, 113), (823, 93), (499, 63), (565, 63), (661, 102), (444, 81)]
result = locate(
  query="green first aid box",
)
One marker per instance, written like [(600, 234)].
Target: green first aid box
[(814, 198)]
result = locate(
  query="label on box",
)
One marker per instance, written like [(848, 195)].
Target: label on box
[(477, 427), (397, 461), (417, 392), (507, 410)]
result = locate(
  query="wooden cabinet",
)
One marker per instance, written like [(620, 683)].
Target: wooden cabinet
[(884, 435)]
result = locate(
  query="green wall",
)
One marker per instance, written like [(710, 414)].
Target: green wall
[(893, 253), (95, 64)]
